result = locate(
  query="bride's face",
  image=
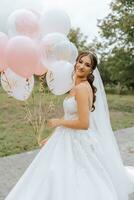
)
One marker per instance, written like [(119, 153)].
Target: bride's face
[(83, 67)]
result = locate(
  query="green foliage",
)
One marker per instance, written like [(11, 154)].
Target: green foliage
[(117, 68), (79, 39), (116, 46), (118, 26)]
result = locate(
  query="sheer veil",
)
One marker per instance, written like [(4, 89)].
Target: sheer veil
[(122, 176)]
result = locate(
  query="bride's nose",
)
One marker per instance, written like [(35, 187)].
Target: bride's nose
[(81, 66)]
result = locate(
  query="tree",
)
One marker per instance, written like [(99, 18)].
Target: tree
[(118, 26), (79, 39), (116, 46)]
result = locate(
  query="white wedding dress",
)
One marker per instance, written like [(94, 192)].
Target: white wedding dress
[(68, 167)]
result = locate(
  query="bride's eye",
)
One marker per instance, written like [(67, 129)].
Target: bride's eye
[(80, 61), (88, 65)]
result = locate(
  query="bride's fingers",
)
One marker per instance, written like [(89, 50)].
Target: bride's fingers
[(43, 142)]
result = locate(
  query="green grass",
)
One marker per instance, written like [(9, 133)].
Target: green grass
[(121, 110), (16, 135)]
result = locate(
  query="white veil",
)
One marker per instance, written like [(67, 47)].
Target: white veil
[(121, 176)]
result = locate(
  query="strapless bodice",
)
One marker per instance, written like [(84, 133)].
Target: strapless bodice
[(70, 108), (71, 112)]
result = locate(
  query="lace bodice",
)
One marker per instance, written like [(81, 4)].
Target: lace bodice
[(70, 108), (71, 111)]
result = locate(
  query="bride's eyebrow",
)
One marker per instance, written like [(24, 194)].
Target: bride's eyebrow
[(88, 63)]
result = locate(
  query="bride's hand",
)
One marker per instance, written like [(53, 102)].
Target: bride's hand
[(41, 144), (53, 123)]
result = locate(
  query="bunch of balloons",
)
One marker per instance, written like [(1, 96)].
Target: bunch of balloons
[(36, 44)]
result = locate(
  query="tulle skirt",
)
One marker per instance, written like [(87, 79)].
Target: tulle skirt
[(68, 167)]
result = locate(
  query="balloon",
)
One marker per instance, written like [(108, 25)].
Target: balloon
[(74, 53), (16, 86), (59, 77), (66, 50), (47, 47), (62, 50), (3, 45), (22, 56), (56, 20), (24, 22), (35, 12), (40, 70)]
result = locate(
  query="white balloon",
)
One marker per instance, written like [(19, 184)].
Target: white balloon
[(3, 46), (62, 50), (59, 78), (24, 22), (16, 86), (65, 50), (35, 12), (47, 45), (56, 20), (74, 53)]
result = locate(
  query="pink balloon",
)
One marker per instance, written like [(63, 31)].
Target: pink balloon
[(35, 12), (24, 22), (22, 56), (27, 23), (40, 70), (3, 45)]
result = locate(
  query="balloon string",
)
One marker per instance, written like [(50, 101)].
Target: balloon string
[(27, 88), (7, 80)]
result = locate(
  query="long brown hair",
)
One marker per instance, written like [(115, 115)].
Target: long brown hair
[(90, 78)]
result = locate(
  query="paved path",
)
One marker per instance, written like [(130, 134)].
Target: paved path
[(12, 167)]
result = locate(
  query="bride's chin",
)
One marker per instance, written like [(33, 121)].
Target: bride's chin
[(79, 74)]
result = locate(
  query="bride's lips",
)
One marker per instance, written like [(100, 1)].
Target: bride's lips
[(79, 70)]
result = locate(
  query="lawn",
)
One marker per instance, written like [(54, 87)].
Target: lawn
[(16, 135)]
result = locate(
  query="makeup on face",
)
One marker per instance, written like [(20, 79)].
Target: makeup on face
[(84, 65)]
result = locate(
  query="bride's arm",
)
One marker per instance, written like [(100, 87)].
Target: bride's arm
[(82, 98)]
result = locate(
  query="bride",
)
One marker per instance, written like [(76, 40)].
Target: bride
[(81, 160)]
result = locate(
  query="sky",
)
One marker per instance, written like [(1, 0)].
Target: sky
[(82, 13)]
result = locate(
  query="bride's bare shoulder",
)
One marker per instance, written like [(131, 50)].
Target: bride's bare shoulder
[(83, 91), (84, 86)]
